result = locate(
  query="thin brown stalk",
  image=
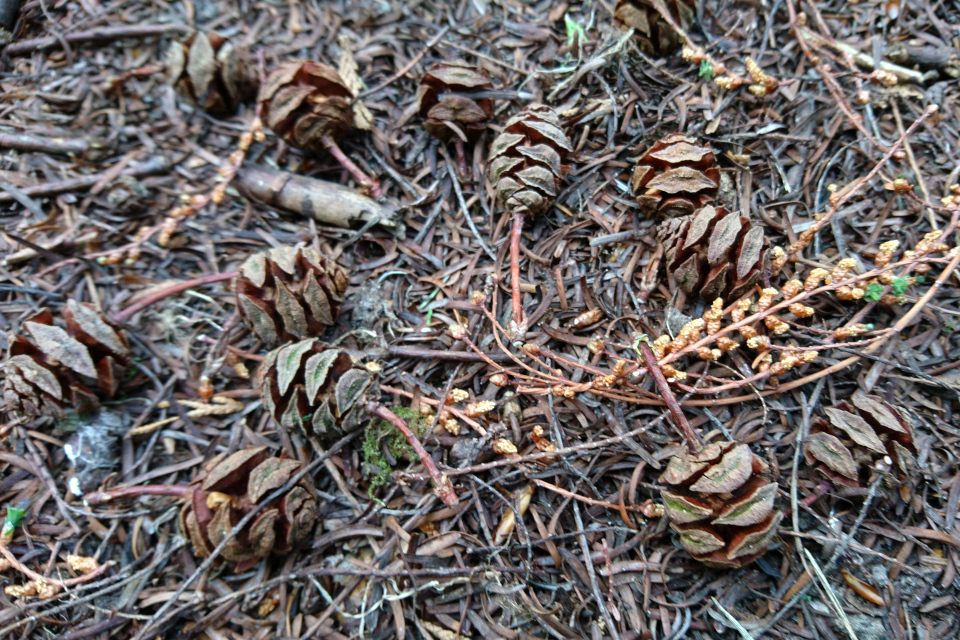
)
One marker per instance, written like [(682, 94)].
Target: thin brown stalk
[(370, 185), (691, 438), (120, 493), (171, 290), (440, 480)]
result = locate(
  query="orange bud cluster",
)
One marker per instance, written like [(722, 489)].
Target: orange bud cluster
[(713, 317), (885, 254), (814, 279), (842, 268), (851, 331)]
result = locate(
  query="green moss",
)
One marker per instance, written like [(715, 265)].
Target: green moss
[(380, 434)]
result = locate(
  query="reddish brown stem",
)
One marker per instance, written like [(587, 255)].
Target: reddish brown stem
[(169, 291), (461, 157), (370, 185), (102, 497), (692, 439), (515, 235), (440, 480)]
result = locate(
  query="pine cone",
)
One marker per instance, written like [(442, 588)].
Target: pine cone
[(847, 448), (304, 101), (526, 160), (445, 95), (715, 253), (315, 389), (654, 34), (286, 293), (675, 177), (50, 368), (721, 504), (210, 71), (230, 488)]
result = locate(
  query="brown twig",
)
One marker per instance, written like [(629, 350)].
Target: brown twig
[(156, 164), (518, 328), (169, 291), (33, 575), (101, 34), (456, 356), (440, 481), (27, 142), (691, 438)]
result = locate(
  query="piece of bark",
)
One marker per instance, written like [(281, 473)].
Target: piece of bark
[(944, 59), (326, 202)]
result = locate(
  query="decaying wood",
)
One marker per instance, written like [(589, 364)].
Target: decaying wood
[(157, 164), (325, 202), (102, 34), (27, 142)]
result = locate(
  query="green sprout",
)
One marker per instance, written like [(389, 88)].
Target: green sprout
[(899, 286), (14, 517), (575, 32), (381, 434), (706, 70)]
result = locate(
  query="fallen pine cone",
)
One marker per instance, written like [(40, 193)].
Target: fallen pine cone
[(526, 160), (304, 102), (525, 168), (653, 33), (50, 368), (230, 488), (314, 389), (210, 71), (721, 503), (289, 293), (675, 177), (714, 253), (445, 97), (848, 446)]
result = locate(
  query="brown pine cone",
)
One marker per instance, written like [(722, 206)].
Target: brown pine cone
[(304, 101), (286, 293), (675, 177), (848, 447), (315, 389), (653, 33), (50, 368), (445, 95), (210, 71), (721, 503), (230, 488), (714, 253), (526, 160)]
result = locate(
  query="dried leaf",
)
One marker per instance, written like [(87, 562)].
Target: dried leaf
[(755, 539), (699, 539), (288, 363), (830, 451), (681, 180), (857, 428)]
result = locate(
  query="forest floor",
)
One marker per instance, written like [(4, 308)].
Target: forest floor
[(553, 528)]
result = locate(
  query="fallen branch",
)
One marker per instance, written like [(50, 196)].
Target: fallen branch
[(325, 202), (27, 142), (33, 575), (101, 34), (158, 164)]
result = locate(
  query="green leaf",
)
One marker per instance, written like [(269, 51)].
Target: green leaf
[(874, 291), (706, 70), (919, 279)]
